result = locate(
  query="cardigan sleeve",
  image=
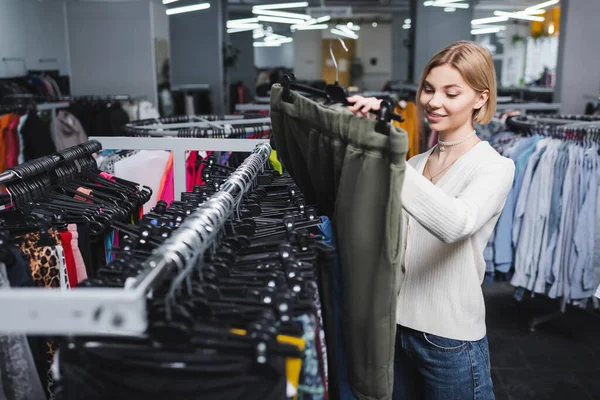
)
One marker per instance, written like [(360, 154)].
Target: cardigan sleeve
[(452, 219)]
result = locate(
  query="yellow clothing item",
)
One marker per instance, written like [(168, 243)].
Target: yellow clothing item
[(274, 160), (292, 365), (410, 125)]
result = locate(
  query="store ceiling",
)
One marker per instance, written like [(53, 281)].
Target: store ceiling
[(482, 7)]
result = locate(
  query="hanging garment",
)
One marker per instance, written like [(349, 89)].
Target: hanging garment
[(4, 122), (11, 140), (37, 138), (18, 375), (145, 167), (410, 125), (22, 120), (66, 239), (354, 174), (69, 130), (166, 191)]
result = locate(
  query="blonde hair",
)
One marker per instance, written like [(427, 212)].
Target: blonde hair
[(476, 66)]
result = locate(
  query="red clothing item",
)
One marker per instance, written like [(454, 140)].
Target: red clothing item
[(190, 171), (65, 239), (11, 138)]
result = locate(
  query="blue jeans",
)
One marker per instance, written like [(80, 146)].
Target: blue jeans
[(431, 367)]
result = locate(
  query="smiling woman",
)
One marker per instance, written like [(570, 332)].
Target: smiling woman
[(452, 197)]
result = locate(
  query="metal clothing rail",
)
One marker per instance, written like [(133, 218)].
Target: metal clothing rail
[(252, 107), (202, 123), (524, 107), (110, 311), (178, 146)]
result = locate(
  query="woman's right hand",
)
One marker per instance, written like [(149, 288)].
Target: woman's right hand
[(363, 105)]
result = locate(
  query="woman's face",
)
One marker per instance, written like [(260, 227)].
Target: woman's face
[(447, 100)]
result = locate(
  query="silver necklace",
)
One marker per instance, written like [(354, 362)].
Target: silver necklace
[(443, 145)]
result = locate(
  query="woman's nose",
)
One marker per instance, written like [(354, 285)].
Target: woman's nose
[(435, 101)]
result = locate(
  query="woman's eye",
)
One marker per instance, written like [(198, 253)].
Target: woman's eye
[(428, 90), (451, 95)]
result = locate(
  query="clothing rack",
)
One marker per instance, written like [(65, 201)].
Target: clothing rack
[(178, 146), (108, 311), (35, 167), (580, 129)]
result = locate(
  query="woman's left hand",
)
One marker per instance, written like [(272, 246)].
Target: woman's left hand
[(363, 105)]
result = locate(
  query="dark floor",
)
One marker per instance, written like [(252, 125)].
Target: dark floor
[(559, 360)]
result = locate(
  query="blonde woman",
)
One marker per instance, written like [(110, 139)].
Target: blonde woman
[(452, 197)]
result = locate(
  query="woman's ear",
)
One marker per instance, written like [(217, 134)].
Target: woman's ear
[(482, 99)]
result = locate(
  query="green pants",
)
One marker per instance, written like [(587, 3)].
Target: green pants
[(354, 174)]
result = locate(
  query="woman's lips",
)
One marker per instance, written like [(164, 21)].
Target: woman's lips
[(434, 117)]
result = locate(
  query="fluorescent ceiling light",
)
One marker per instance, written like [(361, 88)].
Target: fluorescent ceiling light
[(344, 34), (443, 4), (274, 37), (243, 29), (234, 23), (518, 15), (407, 21), (353, 27), (267, 44), (282, 14), (184, 9), (490, 20), (406, 26), (280, 20), (542, 5), (280, 6), (169, 1), (344, 28), (258, 35), (312, 21), (374, 24), (449, 9), (282, 40), (487, 30), (311, 27)]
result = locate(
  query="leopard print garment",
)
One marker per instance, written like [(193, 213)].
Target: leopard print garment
[(45, 264), (43, 260)]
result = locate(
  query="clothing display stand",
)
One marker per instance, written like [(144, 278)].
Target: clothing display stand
[(108, 311), (178, 146)]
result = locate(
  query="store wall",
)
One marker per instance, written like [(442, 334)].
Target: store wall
[(270, 57), (449, 28), (400, 41), (375, 44), (111, 46), (33, 30), (161, 20), (578, 74), (243, 70), (197, 51), (513, 59), (307, 54)]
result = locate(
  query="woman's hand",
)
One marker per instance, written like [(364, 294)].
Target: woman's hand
[(363, 105)]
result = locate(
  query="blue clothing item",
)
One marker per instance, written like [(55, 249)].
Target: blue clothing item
[(432, 367), (311, 383), (582, 275), (503, 247), (345, 393), (522, 195)]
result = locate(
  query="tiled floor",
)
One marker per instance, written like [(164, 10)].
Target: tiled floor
[(559, 360)]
